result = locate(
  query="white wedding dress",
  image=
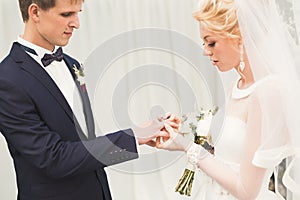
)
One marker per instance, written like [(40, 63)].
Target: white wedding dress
[(229, 147)]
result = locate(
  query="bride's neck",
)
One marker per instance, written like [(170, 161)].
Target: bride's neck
[(246, 79), (244, 83)]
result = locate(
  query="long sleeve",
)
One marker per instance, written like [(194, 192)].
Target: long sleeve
[(246, 183), (58, 154), (265, 130)]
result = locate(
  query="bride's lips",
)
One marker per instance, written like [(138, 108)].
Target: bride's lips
[(214, 62)]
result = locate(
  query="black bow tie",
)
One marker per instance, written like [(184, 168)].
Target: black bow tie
[(49, 58)]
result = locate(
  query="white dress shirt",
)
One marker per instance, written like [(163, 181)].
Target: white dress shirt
[(62, 77)]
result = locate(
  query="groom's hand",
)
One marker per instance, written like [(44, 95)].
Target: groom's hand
[(153, 130), (149, 131)]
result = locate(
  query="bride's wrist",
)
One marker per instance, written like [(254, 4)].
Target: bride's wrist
[(197, 152), (187, 146), (194, 153)]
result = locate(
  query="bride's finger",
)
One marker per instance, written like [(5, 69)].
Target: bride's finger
[(173, 118), (162, 133), (158, 142), (173, 124), (169, 129), (163, 145), (167, 115)]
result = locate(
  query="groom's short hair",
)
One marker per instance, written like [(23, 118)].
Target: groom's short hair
[(43, 4)]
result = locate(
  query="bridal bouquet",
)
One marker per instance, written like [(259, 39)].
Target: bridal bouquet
[(198, 124)]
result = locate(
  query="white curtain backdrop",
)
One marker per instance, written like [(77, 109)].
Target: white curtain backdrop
[(156, 173), (146, 178)]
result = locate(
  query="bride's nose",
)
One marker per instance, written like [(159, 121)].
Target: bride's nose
[(206, 52)]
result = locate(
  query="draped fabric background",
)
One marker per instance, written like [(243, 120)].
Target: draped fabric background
[(156, 173)]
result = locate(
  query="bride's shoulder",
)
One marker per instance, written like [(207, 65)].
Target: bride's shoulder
[(268, 87)]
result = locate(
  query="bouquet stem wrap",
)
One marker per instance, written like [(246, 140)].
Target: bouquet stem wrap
[(184, 186)]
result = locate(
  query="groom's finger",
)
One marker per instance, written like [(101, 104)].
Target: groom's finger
[(151, 143), (157, 142)]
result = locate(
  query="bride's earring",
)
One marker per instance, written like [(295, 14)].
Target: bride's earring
[(242, 63)]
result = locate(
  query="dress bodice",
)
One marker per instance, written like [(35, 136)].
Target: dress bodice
[(231, 141), (232, 137), (229, 144)]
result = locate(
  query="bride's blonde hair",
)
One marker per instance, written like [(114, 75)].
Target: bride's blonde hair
[(218, 16)]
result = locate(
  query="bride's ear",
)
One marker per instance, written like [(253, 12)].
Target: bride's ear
[(241, 41)]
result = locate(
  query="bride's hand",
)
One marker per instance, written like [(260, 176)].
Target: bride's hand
[(173, 120), (174, 141)]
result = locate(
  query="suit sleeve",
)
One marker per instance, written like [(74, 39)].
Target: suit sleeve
[(28, 135)]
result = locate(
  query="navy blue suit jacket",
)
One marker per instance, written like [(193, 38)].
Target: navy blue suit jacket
[(52, 157)]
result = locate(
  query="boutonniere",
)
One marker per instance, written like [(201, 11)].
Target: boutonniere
[(79, 73)]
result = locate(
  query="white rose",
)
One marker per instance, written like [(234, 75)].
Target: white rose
[(203, 125)]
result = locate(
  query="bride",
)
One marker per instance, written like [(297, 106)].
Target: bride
[(261, 125)]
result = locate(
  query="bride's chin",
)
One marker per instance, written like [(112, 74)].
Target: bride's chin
[(221, 69)]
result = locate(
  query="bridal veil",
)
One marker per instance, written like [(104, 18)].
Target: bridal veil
[(269, 35)]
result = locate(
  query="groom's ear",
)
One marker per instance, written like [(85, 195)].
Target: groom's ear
[(33, 12)]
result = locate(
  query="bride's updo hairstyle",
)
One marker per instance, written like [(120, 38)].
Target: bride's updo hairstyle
[(218, 16)]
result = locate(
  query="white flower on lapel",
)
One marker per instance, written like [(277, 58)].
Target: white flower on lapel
[(79, 73)]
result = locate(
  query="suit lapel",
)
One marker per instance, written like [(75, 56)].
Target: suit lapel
[(31, 66), (88, 114), (87, 111)]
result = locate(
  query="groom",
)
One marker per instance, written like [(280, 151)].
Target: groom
[(55, 151)]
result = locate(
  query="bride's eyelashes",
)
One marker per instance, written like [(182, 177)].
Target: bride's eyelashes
[(212, 44)]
